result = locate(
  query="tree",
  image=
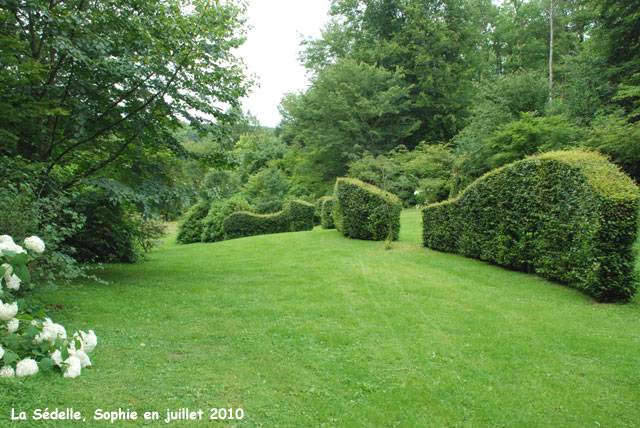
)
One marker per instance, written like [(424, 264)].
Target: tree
[(350, 108), (89, 82)]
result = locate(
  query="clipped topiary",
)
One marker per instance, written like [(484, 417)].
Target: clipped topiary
[(212, 230), (190, 229), (296, 216), (326, 212), (570, 216), (364, 211)]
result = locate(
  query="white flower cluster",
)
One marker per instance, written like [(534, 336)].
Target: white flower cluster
[(8, 310), (6, 243), (78, 358), (50, 332)]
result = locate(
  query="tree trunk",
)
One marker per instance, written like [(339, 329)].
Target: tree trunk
[(550, 51)]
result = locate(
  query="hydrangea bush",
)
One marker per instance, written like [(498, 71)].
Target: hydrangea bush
[(27, 344)]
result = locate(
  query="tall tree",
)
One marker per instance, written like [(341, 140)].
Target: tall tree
[(87, 82)]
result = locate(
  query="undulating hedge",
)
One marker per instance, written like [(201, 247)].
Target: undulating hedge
[(364, 211), (190, 228), (570, 216), (295, 216), (212, 230), (326, 212)]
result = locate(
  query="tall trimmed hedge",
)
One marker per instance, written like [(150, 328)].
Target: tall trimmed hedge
[(570, 216), (296, 216), (364, 211), (326, 212)]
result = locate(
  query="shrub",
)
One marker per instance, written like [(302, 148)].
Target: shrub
[(29, 344), (296, 216), (569, 216), (267, 189), (364, 211), (326, 210), (107, 235), (190, 229), (212, 230), (317, 210), (414, 176)]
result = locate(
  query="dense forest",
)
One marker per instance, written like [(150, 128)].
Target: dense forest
[(112, 120)]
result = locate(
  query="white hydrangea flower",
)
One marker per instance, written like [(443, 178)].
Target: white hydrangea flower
[(1, 352), (82, 356), (89, 340), (56, 356), (74, 367), (26, 367), (5, 238), (50, 332), (13, 325), (35, 244), (13, 282), (9, 270), (11, 246), (7, 371), (8, 310)]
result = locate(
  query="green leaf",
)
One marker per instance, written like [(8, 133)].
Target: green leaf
[(46, 364), (9, 357)]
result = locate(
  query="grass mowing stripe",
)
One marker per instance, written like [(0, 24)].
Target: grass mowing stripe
[(286, 327)]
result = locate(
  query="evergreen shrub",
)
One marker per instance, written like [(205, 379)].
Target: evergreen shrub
[(296, 216), (326, 211), (364, 211), (190, 229), (570, 216), (212, 230)]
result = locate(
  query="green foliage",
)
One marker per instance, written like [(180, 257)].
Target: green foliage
[(497, 103), (317, 210), (266, 190), (351, 107), (326, 212), (364, 211), (296, 216), (90, 83), (212, 230), (414, 176), (618, 137), (252, 151), (219, 185), (570, 216), (112, 233), (191, 226), (530, 135)]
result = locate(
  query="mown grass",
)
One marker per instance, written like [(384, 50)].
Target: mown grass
[(310, 329)]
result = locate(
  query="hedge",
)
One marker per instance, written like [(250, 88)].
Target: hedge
[(570, 216), (212, 230), (326, 212), (190, 229), (364, 211), (296, 216)]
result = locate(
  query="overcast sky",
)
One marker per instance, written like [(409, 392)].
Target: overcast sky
[(272, 48)]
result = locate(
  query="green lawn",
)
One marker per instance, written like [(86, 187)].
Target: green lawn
[(310, 328)]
